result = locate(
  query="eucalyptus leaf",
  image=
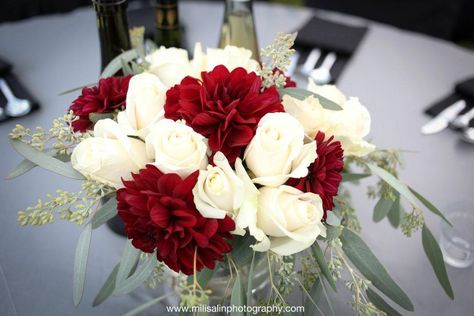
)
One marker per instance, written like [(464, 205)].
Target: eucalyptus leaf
[(143, 307), (130, 257), (108, 287), (380, 303), (142, 273), (77, 88), (205, 275), (393, 182), (396, 212), (250, 280), (237, 297), (364, 260), (302, 94), (311, 297), (23, 167), (434, 254), (333, 232), (429, 205), (105, 213), (332, 219), (126, 69), (116, 64), (80, 263), (45, 161), (321, 260), (348, 177), (381, 209), (241, 251), (95, 117)]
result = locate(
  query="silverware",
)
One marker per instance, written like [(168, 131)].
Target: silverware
[(442, 120), (462, 121), (15, 107), (310, 62), (322, 74), (468, 135)]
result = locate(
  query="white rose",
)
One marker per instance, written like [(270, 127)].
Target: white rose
[(277, 152), (349, 125), (110, 155), (176, 148), (231, 57), (171, 65), (146, 97), (218, 191), (290, 217)]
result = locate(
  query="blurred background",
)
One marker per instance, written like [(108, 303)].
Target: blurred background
[(447, 19)]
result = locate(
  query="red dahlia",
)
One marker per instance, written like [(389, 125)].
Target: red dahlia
[(108, 95), (324, 174), (224, 107), (159, 213)]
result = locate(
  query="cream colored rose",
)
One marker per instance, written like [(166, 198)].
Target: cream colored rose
[(171, 65), (218, 191), (277, 152), (110, 155), (176, 148), (146, 97), (349, 125), (231, 57), (291, 218)]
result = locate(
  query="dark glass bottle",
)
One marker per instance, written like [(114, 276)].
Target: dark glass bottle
[(238, 27), (168, 32), (112, 25)]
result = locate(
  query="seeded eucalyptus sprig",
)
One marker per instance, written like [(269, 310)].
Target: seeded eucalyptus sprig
[(276, 59)]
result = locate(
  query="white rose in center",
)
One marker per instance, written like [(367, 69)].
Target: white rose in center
[(290, 217), (277, 152), (146, 97), (176, 148), (110, 155), (219, 190), (171, 65)]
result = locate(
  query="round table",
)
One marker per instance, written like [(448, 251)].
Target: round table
[(395, 73)]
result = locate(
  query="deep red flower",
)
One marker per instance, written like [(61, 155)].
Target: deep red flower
[(108, 95), (224, 107), (159, 213), (324, 174)]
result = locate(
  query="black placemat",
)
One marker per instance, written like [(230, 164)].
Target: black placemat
[(463, 90), (17, 88), (329, 36)]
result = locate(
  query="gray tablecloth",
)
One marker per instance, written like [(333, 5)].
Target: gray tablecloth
[(395, 73)]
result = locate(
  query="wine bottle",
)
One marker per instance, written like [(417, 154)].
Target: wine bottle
[(238, 27), (112, 25), (168, 32)]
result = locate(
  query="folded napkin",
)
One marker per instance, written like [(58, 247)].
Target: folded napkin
[(329, 37), (17, 88), (463, 90)]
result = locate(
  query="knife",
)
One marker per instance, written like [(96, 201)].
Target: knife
[(442, 120)]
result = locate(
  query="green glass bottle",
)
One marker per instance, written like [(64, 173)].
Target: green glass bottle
[(238, 27), (168, 32), (112, 25)]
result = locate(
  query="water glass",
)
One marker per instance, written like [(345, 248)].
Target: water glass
[(457, 241)]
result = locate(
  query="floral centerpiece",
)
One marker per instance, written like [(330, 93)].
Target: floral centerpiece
[(220, 163)]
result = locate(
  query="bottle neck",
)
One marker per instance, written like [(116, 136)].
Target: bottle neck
[(168, 31), (238, 27), (112, 25)]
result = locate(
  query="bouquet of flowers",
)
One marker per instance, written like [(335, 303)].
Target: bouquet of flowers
[(220, 163)]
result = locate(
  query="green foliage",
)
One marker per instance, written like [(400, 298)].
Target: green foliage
[(60, 136), (80, 263), (277, 56), (433, 252), (75, 207)]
